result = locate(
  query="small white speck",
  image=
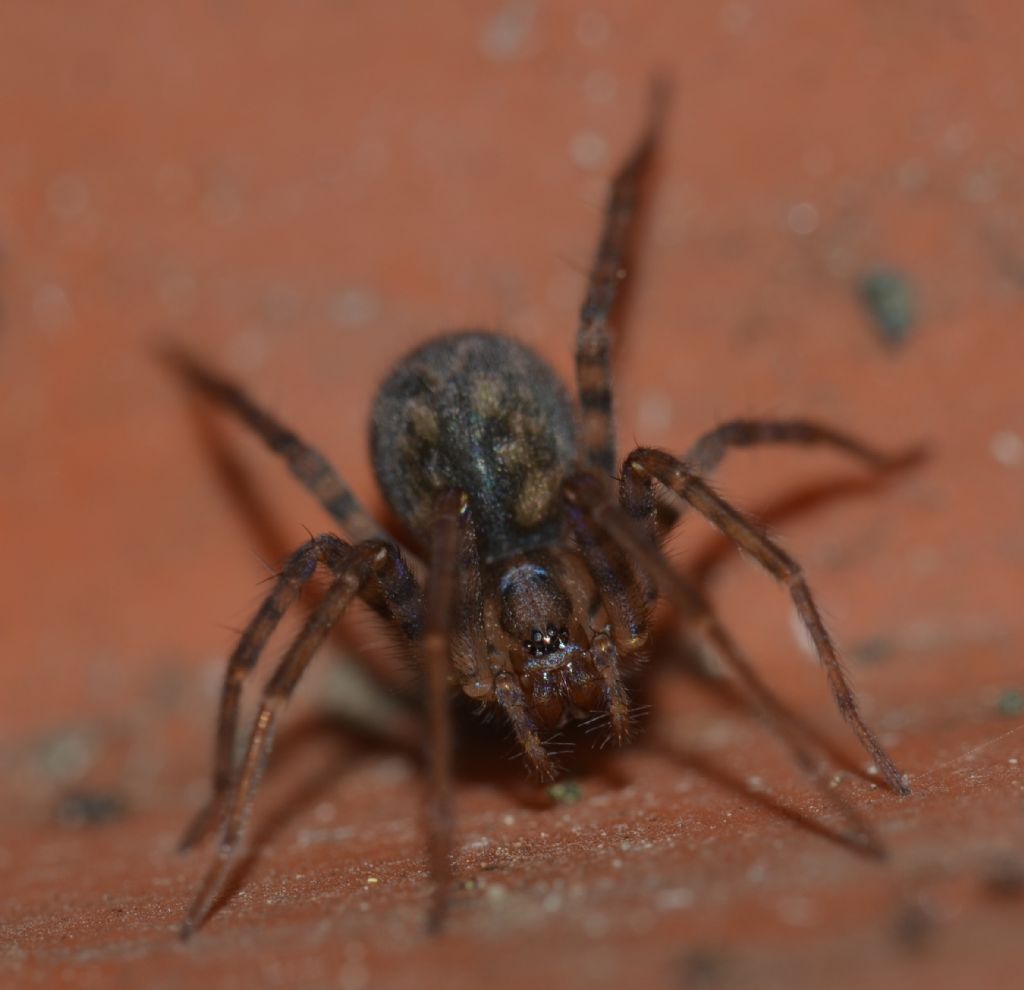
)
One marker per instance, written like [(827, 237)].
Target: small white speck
[(802, 218), (818, 160), (354, 975), (51, 308), (496, 893), (282, 303), (67, 197), (957, 139), (981, 187), (678, 899), (1013, 761), (735, 17), (600, 87), (246, 351), (174, 183), (178, 292), (654, 413), (588, 150), (508, 819), (371, 157), (757, 873), (372, 880), (796, 911), (354, 307), (592, 29), (1007, 448), (221, 201), (504, 36), (912, 175)]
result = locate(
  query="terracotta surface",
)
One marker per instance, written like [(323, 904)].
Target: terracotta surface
[(301, 197)]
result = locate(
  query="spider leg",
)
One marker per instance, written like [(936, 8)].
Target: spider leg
[(442, 593), (509, 695), (398, 591), (593, 338), (352, 570), (709, 450), (645, 464), (305, 463), (289, 583), (610, 525), (627, 596)]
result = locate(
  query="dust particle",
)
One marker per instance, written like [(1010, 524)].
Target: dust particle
[(565, 792), (87, 809), (889, 299), (1010, 703)]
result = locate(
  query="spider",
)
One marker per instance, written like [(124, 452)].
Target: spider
[(536, 562)]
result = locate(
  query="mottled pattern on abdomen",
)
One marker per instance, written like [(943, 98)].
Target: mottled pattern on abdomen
[(481, 413)]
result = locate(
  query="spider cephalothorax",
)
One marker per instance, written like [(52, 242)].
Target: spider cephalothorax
[(530, 572)]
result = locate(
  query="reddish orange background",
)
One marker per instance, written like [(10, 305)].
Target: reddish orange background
[(301, 193)]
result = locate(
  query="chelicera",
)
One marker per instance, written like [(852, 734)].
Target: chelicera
[(535, 560)]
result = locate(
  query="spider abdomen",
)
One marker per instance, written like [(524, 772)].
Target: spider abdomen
[(483, 414)]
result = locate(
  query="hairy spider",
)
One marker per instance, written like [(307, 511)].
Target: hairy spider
[(541, 570)]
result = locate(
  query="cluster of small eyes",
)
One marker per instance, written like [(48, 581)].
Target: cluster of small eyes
[(542, 644)]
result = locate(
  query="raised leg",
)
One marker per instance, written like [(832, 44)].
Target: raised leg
[(706, 454), (305, 463), (593, 338), (610, 525), (352, 570), (645, 465)]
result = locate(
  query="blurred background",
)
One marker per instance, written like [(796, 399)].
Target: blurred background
[(302, 193)]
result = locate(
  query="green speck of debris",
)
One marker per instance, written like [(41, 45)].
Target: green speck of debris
[(873, 650), (82, 809), (565, 792), (889, 298), (1011, 703)]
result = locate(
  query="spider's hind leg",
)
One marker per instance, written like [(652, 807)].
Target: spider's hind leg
[(308, 465)]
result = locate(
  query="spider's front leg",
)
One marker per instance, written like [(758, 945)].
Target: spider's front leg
[(645, 466), (611, 528), (353, 569), (608, 269)]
